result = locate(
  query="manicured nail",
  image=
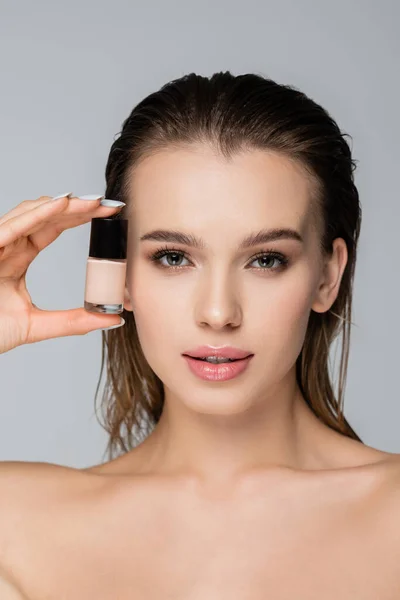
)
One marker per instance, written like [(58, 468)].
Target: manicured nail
[(62, 196), (111, 203), (114, 326), (91, 197)]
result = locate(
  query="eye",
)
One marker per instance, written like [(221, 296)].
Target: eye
[(170, 253), (269, 255), (175, 255)]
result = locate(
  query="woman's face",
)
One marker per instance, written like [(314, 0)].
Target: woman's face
[(221, 294)]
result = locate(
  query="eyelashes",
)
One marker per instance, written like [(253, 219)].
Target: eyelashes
[(266, 254)]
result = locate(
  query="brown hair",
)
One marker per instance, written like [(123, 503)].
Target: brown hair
[(234, 113)]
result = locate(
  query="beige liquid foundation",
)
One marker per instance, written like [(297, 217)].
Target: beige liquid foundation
[(106, 266)]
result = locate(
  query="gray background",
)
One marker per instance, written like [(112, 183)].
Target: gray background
[(70, 74)]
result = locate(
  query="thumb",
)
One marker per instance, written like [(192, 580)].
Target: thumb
[(48, 324)]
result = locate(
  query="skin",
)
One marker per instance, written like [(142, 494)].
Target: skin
[(239, 491), (220, 435)]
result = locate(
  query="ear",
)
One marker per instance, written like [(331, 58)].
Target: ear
[(334, 267), (127, 301)]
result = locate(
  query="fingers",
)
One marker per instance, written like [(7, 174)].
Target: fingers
[(26, 205), (23, 207), (46, 324), (78, 212), (51, 217), (22, 224)]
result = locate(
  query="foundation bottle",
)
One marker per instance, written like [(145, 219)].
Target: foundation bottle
[(106, 266)]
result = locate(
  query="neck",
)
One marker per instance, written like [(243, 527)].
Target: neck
[(276, 431)]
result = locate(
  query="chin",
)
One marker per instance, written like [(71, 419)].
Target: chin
[(217, 406)]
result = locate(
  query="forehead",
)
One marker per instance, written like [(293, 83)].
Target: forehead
[(195, 185)]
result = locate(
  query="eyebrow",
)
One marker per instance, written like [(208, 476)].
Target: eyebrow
[(254, 239)]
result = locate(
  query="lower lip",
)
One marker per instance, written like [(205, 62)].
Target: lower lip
[(221, 372)]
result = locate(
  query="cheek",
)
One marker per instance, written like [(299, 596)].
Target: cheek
[(285, 300), (291, 322), (277, 310), (157, 312), (280, 318)]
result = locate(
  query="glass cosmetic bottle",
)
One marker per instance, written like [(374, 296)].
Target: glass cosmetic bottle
[(106, 266)]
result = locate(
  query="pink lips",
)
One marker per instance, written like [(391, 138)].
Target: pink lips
[(217, 372), (220, 352)]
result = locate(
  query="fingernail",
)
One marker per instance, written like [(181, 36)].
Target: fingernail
[(111, 203), (91, 197), (114, 326), (62, 196)]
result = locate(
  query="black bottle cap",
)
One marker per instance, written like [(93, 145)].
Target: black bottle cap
[(108, 238)]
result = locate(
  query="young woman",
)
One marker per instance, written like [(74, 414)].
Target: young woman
[(233, 481)]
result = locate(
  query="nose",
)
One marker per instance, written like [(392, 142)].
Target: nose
[(218, 305)]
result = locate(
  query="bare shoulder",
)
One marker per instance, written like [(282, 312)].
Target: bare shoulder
[(23, 487), (25, 483), (386, 513), (26, 487), (29, 490), (391, 482)]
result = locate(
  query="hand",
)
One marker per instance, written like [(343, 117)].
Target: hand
[(24, 231)]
